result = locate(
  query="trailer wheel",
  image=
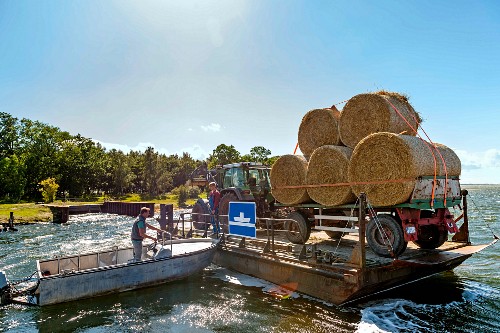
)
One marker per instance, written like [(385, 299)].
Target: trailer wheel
[(200, 207), (392, 232), (431, 237), (299, 230)]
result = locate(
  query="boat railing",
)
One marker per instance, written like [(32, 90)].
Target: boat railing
[(163, 240)]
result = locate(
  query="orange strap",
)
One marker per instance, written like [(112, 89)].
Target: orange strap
[(431, 147), (296, 146), (347, 184)]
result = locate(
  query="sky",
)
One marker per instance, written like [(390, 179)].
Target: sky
[(186, 76)]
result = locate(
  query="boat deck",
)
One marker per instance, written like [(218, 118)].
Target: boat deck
[(115, 256), (329, 269)]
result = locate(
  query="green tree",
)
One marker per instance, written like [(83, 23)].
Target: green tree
[(9, 134), (121, 173), (12, 180), (49, 189), (223, 154), (39, 147), (259, 154)]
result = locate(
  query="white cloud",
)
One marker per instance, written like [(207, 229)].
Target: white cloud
[(476, 160), (195, 151), (211, 128), (480, 167), (141, 146)]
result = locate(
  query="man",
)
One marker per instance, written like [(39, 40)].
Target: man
[(213, 201), (139, 233)]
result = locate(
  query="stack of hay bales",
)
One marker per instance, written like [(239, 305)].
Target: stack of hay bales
[(382, 158)]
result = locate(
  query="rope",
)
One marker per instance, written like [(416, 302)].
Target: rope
[(339, 103), (482, 217), (345, 226)]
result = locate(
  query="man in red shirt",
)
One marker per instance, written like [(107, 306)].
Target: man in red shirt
[(213, 201)]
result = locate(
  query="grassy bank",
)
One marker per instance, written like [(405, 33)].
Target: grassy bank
[(32, 212)]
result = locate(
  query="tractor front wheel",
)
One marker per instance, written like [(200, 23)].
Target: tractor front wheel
[(224, 210)]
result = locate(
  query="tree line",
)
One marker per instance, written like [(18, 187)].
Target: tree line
[(32, 152)]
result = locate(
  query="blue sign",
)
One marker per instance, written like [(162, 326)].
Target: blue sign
[(242, 218)]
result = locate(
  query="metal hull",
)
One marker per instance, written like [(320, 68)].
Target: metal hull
[(77, 284), (342, 283)]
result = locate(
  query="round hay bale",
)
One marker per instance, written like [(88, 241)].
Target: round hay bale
[(329, 165), (453, 164), (319, 127), (365, 114), (392, 157), (289, 170)]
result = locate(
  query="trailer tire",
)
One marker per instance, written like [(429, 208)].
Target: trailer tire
[(200, 207), (431, 237), (377, 241), (297, 232)]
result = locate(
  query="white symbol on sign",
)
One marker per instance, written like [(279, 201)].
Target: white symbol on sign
[(241, 218)]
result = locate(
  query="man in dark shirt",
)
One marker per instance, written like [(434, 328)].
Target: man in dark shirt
[(139, 233)]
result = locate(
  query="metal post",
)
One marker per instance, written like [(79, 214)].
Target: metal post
[(362, 215), (11, 220), (463, 234), (272, 236)]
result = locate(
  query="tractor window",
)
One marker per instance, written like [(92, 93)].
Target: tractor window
[(228, 178), (254, 174), (238, 177)]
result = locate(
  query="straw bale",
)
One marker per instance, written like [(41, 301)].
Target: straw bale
[(289, 170), (453, 164), (388, 156), (365, 114), (319, 127), (329, 165)]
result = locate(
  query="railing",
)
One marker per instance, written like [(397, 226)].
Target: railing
[(358, 255)]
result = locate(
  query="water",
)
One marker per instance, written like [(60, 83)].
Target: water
[(217, 300)]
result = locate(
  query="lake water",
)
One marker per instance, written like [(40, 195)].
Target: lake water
[(217, 300)]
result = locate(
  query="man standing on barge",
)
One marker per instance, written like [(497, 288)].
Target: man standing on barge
[(139, 232), (213, 201)]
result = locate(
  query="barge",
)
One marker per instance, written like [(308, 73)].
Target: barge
[(347, 269)]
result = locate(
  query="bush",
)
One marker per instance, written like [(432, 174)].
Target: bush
[(194, 192), (182, 193), (49, 189)]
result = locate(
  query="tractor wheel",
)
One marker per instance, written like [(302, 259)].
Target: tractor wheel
[(333, 234), (298, 230), (431, 237), (200, 207), (224, 210), (387, 230)]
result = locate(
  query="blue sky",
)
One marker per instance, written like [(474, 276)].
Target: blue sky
[(189, 75)]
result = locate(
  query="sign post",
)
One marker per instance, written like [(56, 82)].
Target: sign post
[(242, 219)]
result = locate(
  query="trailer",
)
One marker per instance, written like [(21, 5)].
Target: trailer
[(425, 219)]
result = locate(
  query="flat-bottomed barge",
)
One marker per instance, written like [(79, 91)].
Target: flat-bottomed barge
[(342, 270)]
